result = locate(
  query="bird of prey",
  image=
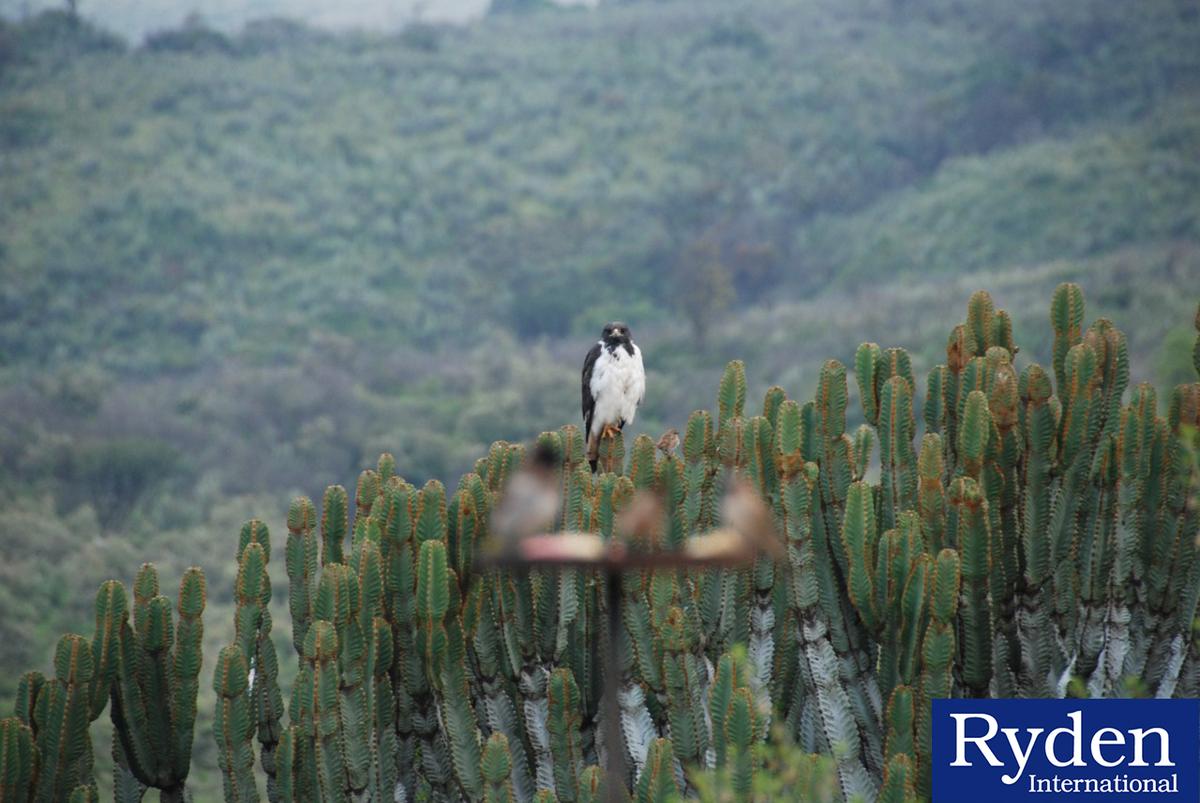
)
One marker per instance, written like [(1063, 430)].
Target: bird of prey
[(614, 383)]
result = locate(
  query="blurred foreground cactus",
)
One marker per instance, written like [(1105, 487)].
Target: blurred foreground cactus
[(1038, 538)]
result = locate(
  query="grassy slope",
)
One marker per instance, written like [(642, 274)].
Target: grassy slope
[(275, 264)]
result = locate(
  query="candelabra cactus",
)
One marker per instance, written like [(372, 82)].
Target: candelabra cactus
[(155, 682), (61, 717), (1037, 539), (149, 670)]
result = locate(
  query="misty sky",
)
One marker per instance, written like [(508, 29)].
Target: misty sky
[(134, 18)]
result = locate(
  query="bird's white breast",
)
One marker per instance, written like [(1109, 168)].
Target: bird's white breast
[(618, 385)]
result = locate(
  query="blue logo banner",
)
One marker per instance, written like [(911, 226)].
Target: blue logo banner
[(1007, 751)]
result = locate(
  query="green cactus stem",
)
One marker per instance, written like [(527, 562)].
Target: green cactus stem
[(19, 761), (233, 726)]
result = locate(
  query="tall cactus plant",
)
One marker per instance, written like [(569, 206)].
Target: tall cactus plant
[(148, 669), (155, 685), (252, 634)]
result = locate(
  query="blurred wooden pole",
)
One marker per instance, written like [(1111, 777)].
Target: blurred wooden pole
[(615, 771)]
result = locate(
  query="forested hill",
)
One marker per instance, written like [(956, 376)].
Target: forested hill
[(240, 265), (264, 256)]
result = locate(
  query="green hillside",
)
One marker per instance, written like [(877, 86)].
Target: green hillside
[(233, 268)]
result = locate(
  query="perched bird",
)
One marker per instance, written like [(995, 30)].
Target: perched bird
[(744, 510), (614, 383), (642, 520), (669, 442), (748, 530), (529, 504)]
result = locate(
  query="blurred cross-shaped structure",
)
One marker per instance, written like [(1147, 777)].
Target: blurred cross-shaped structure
[(747, 533)]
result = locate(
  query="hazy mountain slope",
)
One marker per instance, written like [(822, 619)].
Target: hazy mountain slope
[(206, 205)]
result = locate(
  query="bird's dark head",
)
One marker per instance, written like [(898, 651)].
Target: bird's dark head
[(616, 334)]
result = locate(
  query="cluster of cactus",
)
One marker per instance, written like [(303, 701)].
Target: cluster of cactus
[(149, 670), (422, 675), (1039, 540)]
